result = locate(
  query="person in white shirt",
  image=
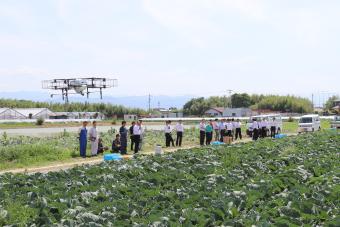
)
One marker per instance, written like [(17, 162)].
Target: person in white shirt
[(202, 132), (216, 128), (141, 135), (168, 137), (222, 127), (233, 131), (229, 127), (179, 132), (238, 133), (263, 126), (93, 136), (137, 131), (255, 127), (273, 127)]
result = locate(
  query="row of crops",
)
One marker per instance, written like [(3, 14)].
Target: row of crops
[(293, 181)]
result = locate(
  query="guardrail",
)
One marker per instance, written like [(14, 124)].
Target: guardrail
[(48, 120), (213, 118)]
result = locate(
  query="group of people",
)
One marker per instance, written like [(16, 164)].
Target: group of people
[(225, 130), (96, 143), (260, 128), (119, 144), (168, 134)]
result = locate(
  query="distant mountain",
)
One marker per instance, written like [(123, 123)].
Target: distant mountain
[(128, 101)]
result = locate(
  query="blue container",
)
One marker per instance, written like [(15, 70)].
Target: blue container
[(280, 136), (217, 143), (112, 157)]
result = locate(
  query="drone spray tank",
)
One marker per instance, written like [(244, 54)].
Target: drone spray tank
[(79, 86)]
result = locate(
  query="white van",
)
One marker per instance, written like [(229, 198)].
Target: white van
[(309, 123), (270, 118), (335, 123)]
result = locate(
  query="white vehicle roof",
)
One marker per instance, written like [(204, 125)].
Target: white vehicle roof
[(267, 115), (310, 115)]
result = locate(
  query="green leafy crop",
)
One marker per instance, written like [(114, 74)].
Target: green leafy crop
[(289, 182)]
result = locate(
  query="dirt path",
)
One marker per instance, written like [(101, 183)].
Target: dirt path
[(88, 161), (78, 162)]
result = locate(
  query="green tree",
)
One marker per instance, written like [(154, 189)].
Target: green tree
[(240, 100), (330, 102)]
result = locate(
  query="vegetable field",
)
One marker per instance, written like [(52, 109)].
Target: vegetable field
[(289, 182)]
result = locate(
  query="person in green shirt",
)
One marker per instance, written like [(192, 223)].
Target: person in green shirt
[(209, 132)]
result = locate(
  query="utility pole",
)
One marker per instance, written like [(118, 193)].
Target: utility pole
[(229, 91), (313, 101), (149, 103)]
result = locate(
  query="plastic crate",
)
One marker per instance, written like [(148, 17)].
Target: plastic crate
[(217, 143), (280, 136), (112, 157)]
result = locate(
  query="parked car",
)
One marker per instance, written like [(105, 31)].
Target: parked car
[(309, 123), (268, 117), (335, 123)]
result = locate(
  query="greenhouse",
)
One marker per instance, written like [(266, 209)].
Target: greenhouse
[(9, 114), (35, 113)]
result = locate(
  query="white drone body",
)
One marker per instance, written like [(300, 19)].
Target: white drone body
[(79, 86)]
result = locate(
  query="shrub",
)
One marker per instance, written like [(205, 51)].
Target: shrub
[(40, 121)]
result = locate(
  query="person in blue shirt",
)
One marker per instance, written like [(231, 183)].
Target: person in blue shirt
[(83, 139)]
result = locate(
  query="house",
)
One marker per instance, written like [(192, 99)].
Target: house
[(130, 117), (237, 112), (10, 114), (35, 113), (228, 112), (337, 102), (167, 113), (215, 112), (65, 115), (88, 115)]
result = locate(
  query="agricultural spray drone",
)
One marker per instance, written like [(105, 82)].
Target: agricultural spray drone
[(80, 86)]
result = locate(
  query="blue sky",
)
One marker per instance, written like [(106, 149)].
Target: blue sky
[(173, 47)]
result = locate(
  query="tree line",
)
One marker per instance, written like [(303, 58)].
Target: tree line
[(293, 104), (107, 109)]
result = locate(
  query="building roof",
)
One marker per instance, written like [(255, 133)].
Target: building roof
[(3, 110), (33, 111), (218, 109)]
